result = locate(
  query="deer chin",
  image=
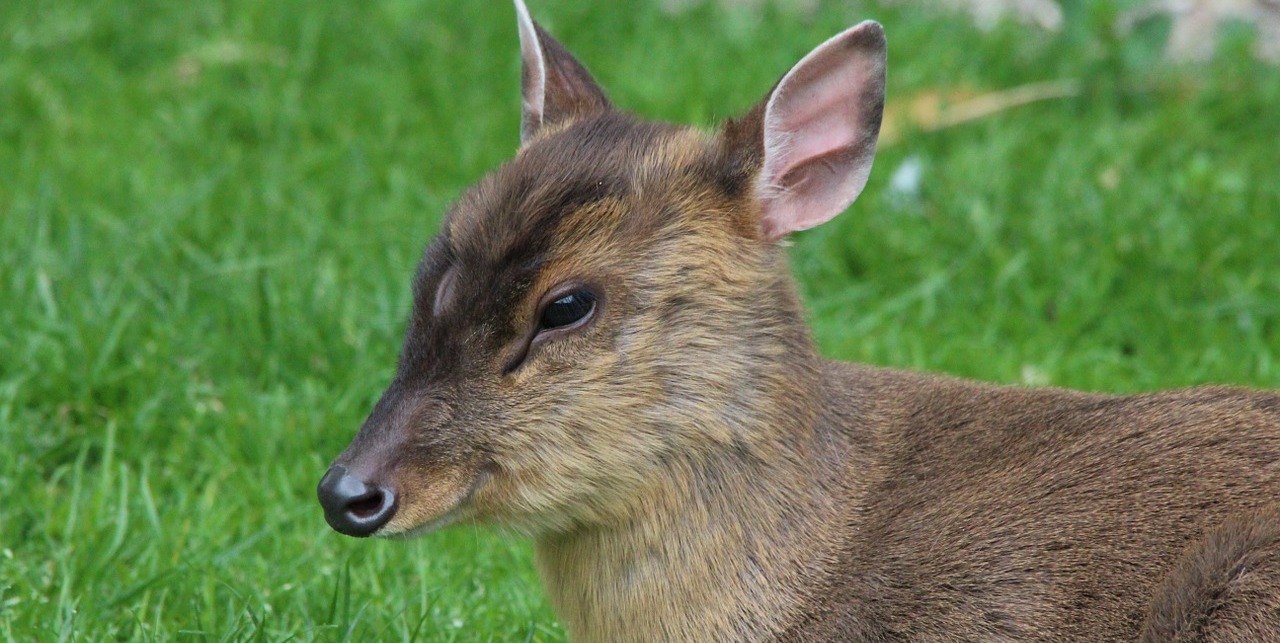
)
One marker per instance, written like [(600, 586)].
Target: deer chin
[(435, 501)]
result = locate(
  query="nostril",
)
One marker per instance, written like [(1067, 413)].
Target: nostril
[(352, 506), (367, 506)]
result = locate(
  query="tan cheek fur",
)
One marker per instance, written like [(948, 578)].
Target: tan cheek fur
[(586, 438)]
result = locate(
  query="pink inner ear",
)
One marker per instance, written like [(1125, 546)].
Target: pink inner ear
[(820, 130)]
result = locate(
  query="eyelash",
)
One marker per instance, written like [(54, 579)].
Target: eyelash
[(583, 311)]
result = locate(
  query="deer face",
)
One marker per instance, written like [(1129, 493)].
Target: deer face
[(603, 308)]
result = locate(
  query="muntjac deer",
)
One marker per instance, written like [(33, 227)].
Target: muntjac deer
[(606, 352)]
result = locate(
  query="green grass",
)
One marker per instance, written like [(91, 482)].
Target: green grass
[(210, 211)]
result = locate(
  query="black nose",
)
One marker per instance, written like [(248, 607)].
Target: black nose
[(353, 506)]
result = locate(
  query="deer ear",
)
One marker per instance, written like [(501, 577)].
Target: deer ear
[(554, 86), (819, 127)]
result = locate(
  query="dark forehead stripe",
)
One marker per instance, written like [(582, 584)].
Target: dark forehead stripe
[(517, 210)]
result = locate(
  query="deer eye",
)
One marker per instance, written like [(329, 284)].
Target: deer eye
[(568, 310)]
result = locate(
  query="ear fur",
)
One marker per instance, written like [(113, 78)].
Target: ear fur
[(816, 131), (554, 86)]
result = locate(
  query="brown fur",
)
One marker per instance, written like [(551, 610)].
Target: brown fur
[(692, 470)]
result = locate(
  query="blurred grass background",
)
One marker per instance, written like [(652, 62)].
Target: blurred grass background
[(210, 212)]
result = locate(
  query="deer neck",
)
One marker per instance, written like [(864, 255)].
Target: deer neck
[(725, 547)]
